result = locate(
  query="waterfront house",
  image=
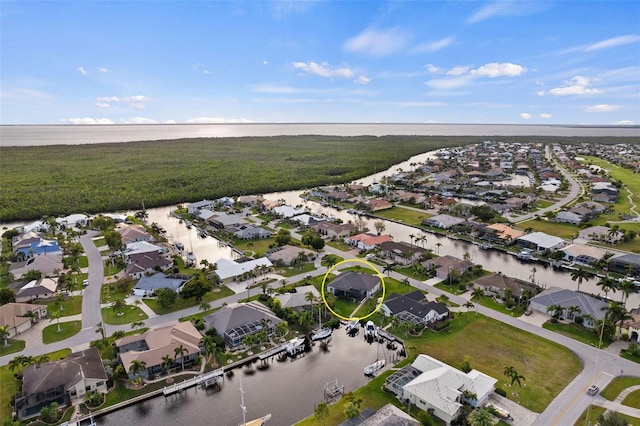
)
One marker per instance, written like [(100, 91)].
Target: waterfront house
[(72, 221), (298, 300), (42, 288), (252, 232), (443, 265), (443, 221), (354, 285), (133, 233), (64, 381), (588, 305), (414, 307), (582, 254), (141, 264), (156, 343), (401, 252), (334, 230), (503, 233), (19, 317), (439, 388), (628, 264), (497, 284), (194, 208), (601, 233), (227, 222), (229, 270), (236, 321), (366, 241), (147, 286), (287, 212), (32, 244), (540, 241)]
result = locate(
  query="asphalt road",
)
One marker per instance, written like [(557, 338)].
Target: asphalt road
[(599, 366)]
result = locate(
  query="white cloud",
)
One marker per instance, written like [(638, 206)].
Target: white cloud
[(137, 102), (545, 115), (138, 120), (497, 70), (449, 83), (103, 70), (603, 108), (613, 42), (540, 93), (433, 46), (108, 99), (86, 120), (265, 62), (267, 88), (377, 43), (323, 69), (576, 86), (362, 80), (433, 69), (506, 8), (458, 70), (526, 115), (82, 71), (103, 105), (217, 120)]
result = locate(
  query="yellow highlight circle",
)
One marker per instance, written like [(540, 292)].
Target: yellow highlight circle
[(370, 265)]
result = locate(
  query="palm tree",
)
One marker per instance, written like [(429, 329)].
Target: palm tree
[(481, 417), (438, 245), (55, 315), (627, 287), (118, 306), (574, 311), (412, 237), (608, 285), (181, 351), (329, 261), (469, 304), (204, 306), (311, 298), (137, 366), (617, 313), (100, 329), (557, 310), (321, 412), (388, 268), (580, 275), (282, 328), (513, 374), (477, 293), (137, 324), (4, 334), (166, 362)]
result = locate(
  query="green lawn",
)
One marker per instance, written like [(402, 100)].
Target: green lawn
[(187, 303), (10, 385), (339, 245), (591, 414), (576, 333), (406, 216), (71, 305), (633, 399), (113, 291), (562, 230), (257, 246), (291, 271), (110, 269), (492, 345), (131, 314), (617, 385), (13, 346), (51, 334), (99, 242)]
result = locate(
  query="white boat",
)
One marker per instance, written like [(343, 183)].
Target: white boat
[(525, 254), (351, 325), (370, 329), (191, 259), (258, 422), (294, 346), (321, 333), (370, 369), (179, 246)]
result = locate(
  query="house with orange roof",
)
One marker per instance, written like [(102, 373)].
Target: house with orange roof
[(366, 241), (503, 232)]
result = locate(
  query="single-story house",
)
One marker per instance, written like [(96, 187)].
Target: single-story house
[(401, 252), (42, 288), (502, 232), (389, 415), (299, 298), (156, 343), (228, 270), (601, 233), (252, 232), (32, 244), (440, 388), (286, 254), (414, 307), (19, 317), (568, 217), (444, 264), (354, 285), (49, 265), (194, 208), (443, 221), (72, 221), (366, 241), (334, 230), (147, 286), (498, 283), (632, 327), (306, 219), (236, 321), (133, 233), (540, 241), (250, 200), (287, 211), (628, 264), (64, 381), (147, 263), (222, 220), (377, 204), (138, 247), (590, 305), (582, 254)]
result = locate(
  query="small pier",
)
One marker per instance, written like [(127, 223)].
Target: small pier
[(271, 352), (333, 390), (210, 378)]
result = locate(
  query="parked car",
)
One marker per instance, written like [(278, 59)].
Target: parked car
[(593, 390), (528, 311), (85, 283)]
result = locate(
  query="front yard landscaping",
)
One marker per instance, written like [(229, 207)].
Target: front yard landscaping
[(617, 385), (129, 314), (50, 333), (181, 303), (12, 346), (591, 414), (576, 332)]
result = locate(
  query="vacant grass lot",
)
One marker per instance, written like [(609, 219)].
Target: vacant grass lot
[(562, 230), (51, 334), (131, 314), (617, 385), (492, 345), (10, 384), (404, 215)]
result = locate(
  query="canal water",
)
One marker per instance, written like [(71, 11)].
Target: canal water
[(288, 390)]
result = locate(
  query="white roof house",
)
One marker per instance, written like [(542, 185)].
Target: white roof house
[(440, 387), (541, 241), (297, 299), (228, 270), (288, 211), (143, 247)]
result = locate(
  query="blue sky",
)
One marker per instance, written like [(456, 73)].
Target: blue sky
[(527, 62)]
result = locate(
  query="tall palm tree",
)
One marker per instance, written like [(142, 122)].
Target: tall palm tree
[(311, 298), (137, 324), (438, 245), (580, 275), (118, 306), (55, 315), (469, 304), (477, 294), (204, 306), (388, 268), (137, 367), (412, 237), (617, 313), (166, 362), (100, 329), (556, 310), (282, 328), (607, 285), (627, 287), (180, 351), (573, 311)]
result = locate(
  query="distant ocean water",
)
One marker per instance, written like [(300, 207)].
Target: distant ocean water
[(37, 135)]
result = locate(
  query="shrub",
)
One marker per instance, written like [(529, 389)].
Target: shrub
[(501, 392)]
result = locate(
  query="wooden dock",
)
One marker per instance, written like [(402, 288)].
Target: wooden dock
[(206, 378), (271, 352)]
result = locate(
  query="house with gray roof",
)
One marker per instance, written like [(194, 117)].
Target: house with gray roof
[(628, 264), (222, 220), (443, 221), (498, 283), (540, 241), (299, 298), (49, 265), (64, 381), (588, 305), (354, 285), (413, 307), (568, 217), (252, 232), (236, 321), (147, 286), (194, 208), (401, 252)]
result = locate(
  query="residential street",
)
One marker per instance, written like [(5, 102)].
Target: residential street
[(600, 366)]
